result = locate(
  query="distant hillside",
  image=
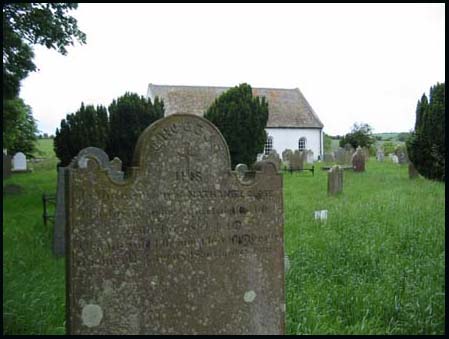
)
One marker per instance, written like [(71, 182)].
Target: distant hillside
[(392, 136)]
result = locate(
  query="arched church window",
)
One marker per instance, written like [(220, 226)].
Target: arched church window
[(302, 144), (268, 145)]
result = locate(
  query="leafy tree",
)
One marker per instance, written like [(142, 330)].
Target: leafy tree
[(26, 24), (19, 127), (426, 145), (129, 115), (87, 127), (242, 119), (360, 135)]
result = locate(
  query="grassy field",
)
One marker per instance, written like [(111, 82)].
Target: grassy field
[(376, 266)]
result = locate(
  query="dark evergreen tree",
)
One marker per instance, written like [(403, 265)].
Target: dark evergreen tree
[(426, 145), (129, 115), (87, 127), (242, 119)]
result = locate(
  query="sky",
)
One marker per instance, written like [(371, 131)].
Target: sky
[(354, 63)]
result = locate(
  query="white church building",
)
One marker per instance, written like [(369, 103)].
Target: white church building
[(292, 123)]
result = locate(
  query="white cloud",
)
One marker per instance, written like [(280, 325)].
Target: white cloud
[(353, 62)]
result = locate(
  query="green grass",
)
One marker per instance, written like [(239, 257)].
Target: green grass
[(33, 280), (376, 266)]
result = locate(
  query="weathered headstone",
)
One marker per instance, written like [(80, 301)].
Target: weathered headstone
[(335, 180), (113, 167), (296, 161), (6, 166), (380, 155), (182, 246), (309, 156), (19, 162), (273, 156), (412, 171), (358, 160), (286, 154), (402, 157)]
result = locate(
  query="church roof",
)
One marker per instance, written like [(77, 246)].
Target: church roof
[(286, 107)]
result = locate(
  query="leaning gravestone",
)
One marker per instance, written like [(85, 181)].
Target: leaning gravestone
[(113, 167), (358, 160), (335, 180), (182, 246), (19, 162), (6, 166), (273, 156)]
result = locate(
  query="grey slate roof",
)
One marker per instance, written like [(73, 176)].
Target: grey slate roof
[(286, 107)]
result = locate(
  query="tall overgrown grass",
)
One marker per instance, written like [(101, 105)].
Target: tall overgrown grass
[(376, 266)]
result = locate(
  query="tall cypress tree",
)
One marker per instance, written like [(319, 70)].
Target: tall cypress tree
[(426, 145)]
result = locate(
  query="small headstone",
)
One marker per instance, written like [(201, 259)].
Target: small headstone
[(380, 155), (358, 160), (19, 162), (7, 165), (296, 161), (335, 180), (273, 156), (321, 215), (394, 158), (182, 246), (412, 171)]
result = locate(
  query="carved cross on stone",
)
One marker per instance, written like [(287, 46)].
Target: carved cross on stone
[(187, 153)]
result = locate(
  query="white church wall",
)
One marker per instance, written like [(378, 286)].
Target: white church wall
[(287, 138)]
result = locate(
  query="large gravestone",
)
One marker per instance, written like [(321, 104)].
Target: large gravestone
[(113, 167), (296, 161), (358, 160), (7, 165), (19, 162), (182, 246), (335, 180)]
